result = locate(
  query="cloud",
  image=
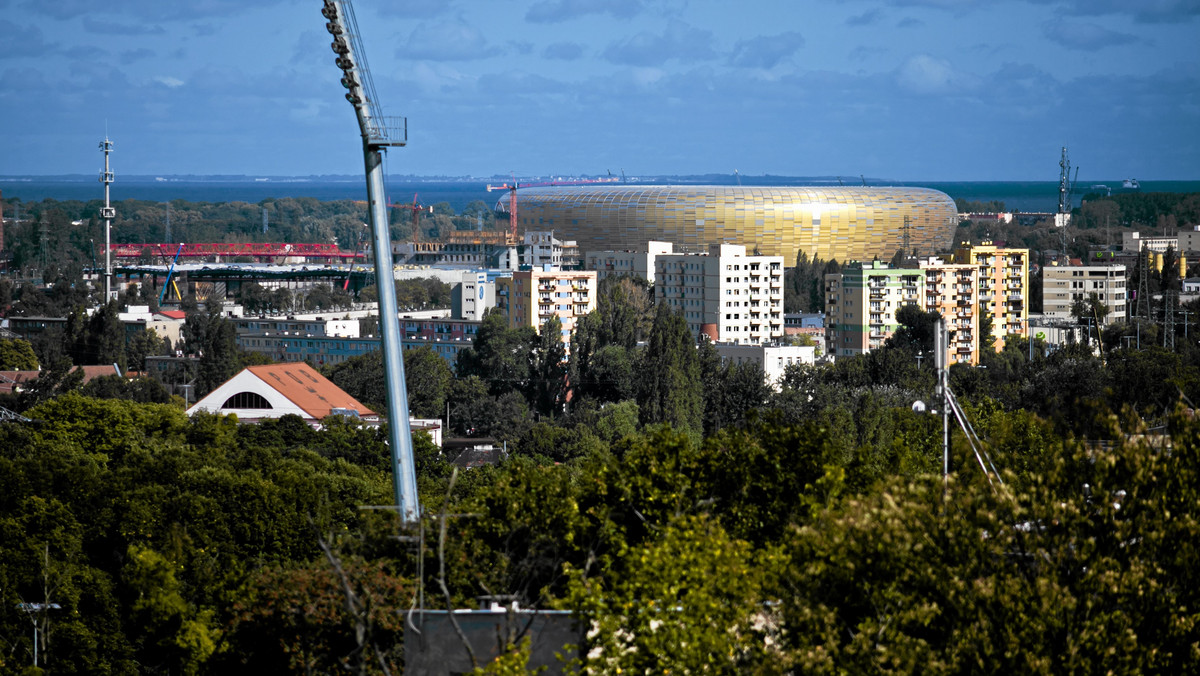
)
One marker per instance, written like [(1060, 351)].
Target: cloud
[(1084, 36), (101, 27), (172, 82), (909, 22), (85, 53), (678, 41), (22, 41), (446, 41), (521, 47), (557, 11), (147, 10), (863, 52), (413, 9), (867, 18), (765, 51), (925, 74), (1146, 11), (563, 51), (135, 55)]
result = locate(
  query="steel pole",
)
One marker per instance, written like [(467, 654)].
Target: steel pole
[(404, 476)]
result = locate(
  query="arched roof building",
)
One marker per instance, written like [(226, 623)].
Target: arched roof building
[(843, 223)]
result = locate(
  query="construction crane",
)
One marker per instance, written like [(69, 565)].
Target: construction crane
[(512, 206), (169, 281), (379, 133), (417, 209), (512, 196)]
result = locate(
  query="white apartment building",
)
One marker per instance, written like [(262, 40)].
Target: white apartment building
[(773, 359), (1063, 285), (540, 249), (635, 263), (725, 294)]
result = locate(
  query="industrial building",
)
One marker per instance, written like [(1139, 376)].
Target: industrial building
[(843, 223)]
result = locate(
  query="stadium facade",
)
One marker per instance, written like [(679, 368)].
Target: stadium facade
[(843, 223)]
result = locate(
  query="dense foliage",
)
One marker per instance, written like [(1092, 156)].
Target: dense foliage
[(693, 516)]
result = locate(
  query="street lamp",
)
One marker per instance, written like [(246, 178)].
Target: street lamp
[(34, 610)]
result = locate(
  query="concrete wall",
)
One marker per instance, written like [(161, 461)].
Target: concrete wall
[(437, 650)]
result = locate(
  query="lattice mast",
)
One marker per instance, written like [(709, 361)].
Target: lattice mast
[(107, 213), (379, 132)]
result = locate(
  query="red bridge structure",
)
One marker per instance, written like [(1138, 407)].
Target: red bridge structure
[(217, 251)]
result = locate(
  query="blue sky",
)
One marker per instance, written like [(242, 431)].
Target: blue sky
[(901, 89)]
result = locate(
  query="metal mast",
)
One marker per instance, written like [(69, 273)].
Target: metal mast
[(379, 132), (107, 213)]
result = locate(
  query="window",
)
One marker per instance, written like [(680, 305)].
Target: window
[(247, 400)]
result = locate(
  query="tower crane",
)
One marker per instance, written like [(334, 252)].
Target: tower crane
[(512, 206), (417, 209), (379, 133), (512, 196)]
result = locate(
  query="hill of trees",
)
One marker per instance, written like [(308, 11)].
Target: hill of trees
[(693, 517)]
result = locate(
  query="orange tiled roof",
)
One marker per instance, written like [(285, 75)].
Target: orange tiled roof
[(308, 389)]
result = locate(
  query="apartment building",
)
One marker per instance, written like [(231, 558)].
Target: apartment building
[(951, 290), (639, 263), (542, 248), (1003, 285), (1062, 285), (727, 295), (532, 297), (861, 303)]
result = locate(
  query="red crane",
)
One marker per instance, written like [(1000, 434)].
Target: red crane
[(512, 196), (417, 209)]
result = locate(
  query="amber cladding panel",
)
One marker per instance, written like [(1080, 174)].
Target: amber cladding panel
[(846, 223)]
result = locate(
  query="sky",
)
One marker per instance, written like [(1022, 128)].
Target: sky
[(938, 90)]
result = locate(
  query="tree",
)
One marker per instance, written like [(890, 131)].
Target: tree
[(17, 355), (209, 335), (671, 388), (689, 598), (548, 369), (500, 355), (916, 331), (144, 343), (427, 378)]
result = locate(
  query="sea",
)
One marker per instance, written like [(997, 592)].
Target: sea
[(1026, 196)]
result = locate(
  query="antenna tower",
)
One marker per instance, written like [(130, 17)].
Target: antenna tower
[(1143, 291), (107, 213), (44, 236), (1170, 297), (378, 133)]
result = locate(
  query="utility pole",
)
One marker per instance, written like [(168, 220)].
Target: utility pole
[(107, 213)]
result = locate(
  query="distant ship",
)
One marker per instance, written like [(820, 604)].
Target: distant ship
[(1131, 184), (1101, 188)]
